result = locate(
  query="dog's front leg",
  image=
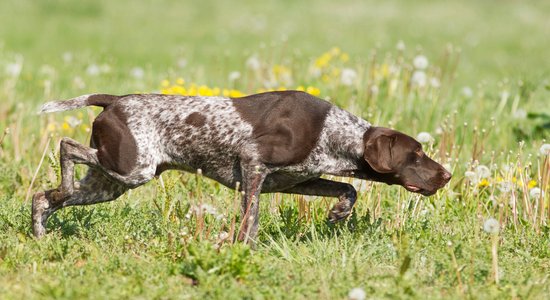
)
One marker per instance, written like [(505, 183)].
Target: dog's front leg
[(253, 176)]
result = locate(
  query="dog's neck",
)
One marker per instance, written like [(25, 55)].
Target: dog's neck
[(343, 134)]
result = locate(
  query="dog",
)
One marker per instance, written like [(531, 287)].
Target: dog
[(271, 142)]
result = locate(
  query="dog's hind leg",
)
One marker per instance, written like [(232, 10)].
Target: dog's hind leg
[(321, 187), (253, 178), (96, 187)]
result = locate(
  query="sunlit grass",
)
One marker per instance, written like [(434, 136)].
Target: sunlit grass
[(173, 238)]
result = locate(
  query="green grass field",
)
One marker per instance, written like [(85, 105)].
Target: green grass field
[(484, 99)]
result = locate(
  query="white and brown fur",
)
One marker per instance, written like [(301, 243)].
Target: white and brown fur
[(270, 142)]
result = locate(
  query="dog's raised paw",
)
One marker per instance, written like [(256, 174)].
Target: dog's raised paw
[(339, 212)]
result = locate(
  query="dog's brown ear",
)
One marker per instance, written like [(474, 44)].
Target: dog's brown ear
[(378, 153)]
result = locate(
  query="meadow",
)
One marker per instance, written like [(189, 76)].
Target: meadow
[(470, 79)]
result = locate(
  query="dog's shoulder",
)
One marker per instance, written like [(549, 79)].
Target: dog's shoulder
[(286, 124)]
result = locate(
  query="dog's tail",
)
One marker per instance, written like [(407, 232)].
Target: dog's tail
[(102, 100)]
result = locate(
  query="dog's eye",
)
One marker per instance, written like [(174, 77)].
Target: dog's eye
[(419, 152)]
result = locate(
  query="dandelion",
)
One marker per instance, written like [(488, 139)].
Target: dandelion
[(233, 76), (435, 83), (535, 193), (424, 137), (78, 82), (105, 68), (137, 73), (400, 46), (483, 183), (14, 69), (491, 226), (467, 92), (420, 62), (73, 121), (483, 171), (348, 76), (357, 294), (223, 235), (313, 91), (253, 63), (419, 78), (545, 150), (374, 90), (344, 57), (93, 70), (520, 114), (47, 70), (67, 57), (182, 63), (505, 186), (470, 175)]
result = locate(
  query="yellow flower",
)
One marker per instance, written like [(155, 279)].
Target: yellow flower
[(531, 184), (300, 88), (344, 57), (235, 94), (165, 83), (484, 183), (180, 81), (66, 127), (313, 91), (51, 127)]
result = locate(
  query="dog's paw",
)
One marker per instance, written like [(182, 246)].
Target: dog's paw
[(339, 211)]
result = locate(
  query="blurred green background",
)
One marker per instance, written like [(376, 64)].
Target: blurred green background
[(503, 38)]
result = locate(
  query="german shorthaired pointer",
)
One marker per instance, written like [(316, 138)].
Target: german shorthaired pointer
[(270, 142)]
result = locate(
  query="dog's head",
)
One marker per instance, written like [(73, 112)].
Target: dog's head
[(396, 158)]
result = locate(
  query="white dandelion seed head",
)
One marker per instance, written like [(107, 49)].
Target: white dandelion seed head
[(545, 150), (470, 175), (93, 70), (73, 121), (223, 235), (357, 294), (491, 226), (182, 63), (253, 63), (424, 137), (67, 57), (78, 82), (348, 76), (374, 89), (420, 62), (483, 171), (505, 186), (467, 92), (400, 46), (233, 76), (419, 78), (520, 114), (435, 83), (137, 72), (535, 192), (505, 94), (14, 69)]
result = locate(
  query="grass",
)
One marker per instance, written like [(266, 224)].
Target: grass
[(485, 103)]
